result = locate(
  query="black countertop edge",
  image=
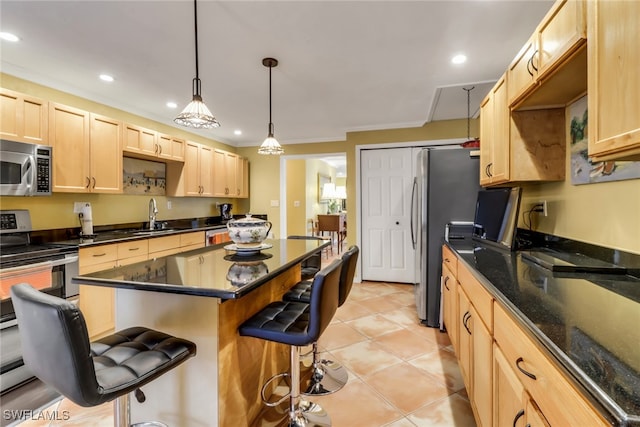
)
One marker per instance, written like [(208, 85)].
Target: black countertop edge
[(607, 407), (528, 238), (193, 291)]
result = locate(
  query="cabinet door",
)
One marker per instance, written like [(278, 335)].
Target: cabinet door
[(482, 357), (533, 415), (23, 118), (242, 177), (177, 149), (450, 304), (562, 31), (523, 70), (105, 155), (486, 139), (206, 171), (501, 146), (231, 170), (614, 80), (164, 146), (191, 169), (219, 169), (464, 338), (140, 140), (507, 392), (69, 137)]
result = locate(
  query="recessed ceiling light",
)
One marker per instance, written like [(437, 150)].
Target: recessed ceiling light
[(9, 37), (459, 59), (171, 104), (106, 78), (237, 132)]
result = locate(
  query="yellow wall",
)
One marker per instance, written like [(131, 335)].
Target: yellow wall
[(296, 192), (605, 213), (57, 211)]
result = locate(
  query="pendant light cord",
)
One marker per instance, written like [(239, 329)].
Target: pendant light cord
[(195, 20), (469, 110)]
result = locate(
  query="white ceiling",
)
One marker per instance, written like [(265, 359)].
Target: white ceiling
[(344, 65)]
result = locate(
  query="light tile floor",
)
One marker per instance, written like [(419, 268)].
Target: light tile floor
[(401, 374)]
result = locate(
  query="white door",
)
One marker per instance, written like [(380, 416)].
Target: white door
[(386, 178)]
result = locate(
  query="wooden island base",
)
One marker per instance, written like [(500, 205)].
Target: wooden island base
[(222, 382)]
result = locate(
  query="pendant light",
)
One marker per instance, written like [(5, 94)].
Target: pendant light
[(196, 114), (270, 145)]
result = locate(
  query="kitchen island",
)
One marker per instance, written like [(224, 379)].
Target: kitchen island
[(203, 295)]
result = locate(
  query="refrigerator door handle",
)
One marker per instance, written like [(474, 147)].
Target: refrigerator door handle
[(413, 196)]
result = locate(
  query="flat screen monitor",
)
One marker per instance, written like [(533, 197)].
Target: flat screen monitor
[(496, 216)]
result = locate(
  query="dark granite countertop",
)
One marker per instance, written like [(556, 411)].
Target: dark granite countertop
[(212, 271), (588, 322)]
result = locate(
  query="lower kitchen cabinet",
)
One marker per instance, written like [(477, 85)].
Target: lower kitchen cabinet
[(509, 379)]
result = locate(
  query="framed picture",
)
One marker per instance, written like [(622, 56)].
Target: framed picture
[(143, 177), (322, 180)]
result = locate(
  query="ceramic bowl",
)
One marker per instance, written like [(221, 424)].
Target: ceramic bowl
[(248, 232)]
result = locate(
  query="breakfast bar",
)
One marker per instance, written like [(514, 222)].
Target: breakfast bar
[(204, 295)]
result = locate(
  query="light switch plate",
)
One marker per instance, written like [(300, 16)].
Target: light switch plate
[(78, 206), (275, 203)]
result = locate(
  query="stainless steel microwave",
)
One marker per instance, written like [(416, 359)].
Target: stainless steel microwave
[(25, 169)]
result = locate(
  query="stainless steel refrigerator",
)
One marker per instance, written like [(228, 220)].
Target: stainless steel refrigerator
[(444, 190)]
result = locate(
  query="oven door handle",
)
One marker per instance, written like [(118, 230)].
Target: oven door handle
[(64, 261)]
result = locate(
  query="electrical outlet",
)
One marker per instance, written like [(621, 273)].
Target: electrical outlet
[(78, 207), (168, 204), (545, 211)]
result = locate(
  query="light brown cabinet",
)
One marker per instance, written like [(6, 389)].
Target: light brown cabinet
[(149, 144), (450, 302), (494, 135), (87, 151), (231, 175), (23, 118), (558, 37), (509, 379), (614, 80), (199, 170)]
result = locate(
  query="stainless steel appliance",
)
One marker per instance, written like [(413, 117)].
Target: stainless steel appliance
[(25, 169), (48, 267), (444, 190)]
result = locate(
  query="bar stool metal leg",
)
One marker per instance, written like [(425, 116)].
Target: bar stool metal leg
[(327, 376), (303, 413), (122, 414)]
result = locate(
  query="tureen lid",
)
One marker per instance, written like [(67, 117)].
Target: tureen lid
[(248, 220)]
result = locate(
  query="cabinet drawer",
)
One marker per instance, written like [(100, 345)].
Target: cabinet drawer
[(188, 239), (478, 295), (97, 255), (164, 243), (560, 403), (450, 260), (136, 248)]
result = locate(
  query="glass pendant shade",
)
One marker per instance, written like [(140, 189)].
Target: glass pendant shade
[(196, 114)]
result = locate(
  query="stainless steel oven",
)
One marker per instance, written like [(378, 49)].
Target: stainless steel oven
[(47, 267), (25, 169)]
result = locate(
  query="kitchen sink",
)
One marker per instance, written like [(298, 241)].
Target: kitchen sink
[(151, 232)]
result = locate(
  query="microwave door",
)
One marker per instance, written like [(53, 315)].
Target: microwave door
[(17, 175)]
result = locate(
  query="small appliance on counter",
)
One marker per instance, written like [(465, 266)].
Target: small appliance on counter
[(225, 211)]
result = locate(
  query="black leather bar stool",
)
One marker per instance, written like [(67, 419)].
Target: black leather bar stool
[(298, 324), (56, 348), (327, 376)]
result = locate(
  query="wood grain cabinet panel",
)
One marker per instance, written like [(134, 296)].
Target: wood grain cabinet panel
[(23, 118), (614, 80)]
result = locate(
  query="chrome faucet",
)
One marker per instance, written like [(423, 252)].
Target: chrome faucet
[(153, 211)]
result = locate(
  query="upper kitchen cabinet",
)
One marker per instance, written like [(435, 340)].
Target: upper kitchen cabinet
[(194, 177), (231, 175), (494, 135), (550, 69), (614, 80), (519, 146), (87, 151), (149, 144), (23, 117)]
